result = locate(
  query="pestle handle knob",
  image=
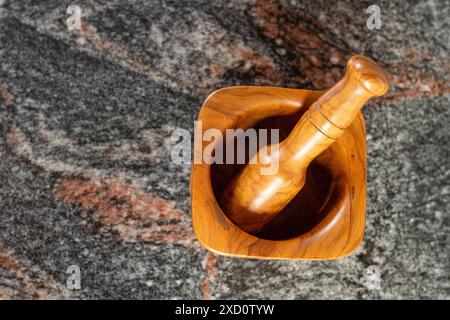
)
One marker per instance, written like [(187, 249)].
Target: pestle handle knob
[(363, 80)]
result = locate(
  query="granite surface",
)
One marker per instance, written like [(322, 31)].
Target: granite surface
[(86, 118)]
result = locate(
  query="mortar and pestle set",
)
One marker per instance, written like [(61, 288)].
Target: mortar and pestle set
[(313, 207)]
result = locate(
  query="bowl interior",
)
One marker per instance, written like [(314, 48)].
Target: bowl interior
[(325, 181)]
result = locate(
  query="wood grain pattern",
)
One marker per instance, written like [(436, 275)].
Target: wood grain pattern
[(334, 223), (252, 199)]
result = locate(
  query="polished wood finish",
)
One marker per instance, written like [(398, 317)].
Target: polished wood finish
[(251, 199), (327, 217)]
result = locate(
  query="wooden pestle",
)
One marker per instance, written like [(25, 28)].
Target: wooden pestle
[(252, 199)]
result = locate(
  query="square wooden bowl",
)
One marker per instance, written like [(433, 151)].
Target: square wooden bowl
[(327, 218)]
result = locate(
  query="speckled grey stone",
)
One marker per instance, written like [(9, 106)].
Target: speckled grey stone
[(85, 124)]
